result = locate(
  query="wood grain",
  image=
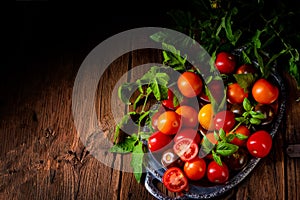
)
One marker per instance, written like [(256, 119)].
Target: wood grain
[(43, 157)]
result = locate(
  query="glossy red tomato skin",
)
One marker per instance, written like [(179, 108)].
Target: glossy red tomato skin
[(225, 62), (216, 173), (241, 130), (175, 180), (189, 116), (186, 149), (224, 119), (264, 92), (169, 122), (188, 133), (158, 141), (195, 169), (259, 144), (169, 103), (189, 84), (236, 94), (246, 69)]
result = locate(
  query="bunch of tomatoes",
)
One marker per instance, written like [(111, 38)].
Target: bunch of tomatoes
[(180, 129)]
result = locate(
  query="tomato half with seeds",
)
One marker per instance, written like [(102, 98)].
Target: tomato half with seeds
[(188, 133), (169, 122), (186, 149), (175, 180)]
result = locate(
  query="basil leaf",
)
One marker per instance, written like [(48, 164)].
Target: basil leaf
[(136, 163), (255, 121), (241, 136), (125, 91), (226, 149), (244, 80), (247, 105), (258, 115), (222, 134), (217, 158), (125, 146)]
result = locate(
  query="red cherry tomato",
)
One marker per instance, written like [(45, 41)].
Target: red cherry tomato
[(189, 116), (224, 119), (175, 180), (259, 144), (216, 173), (264, 92), (169, 122), (158, 140), (189, 84), (188, 133), (169, 102), (195, 169), (246, 69), (186, 149), (236, 94), (225, 62), (243, 130)]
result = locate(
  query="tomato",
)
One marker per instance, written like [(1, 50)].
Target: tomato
[(170, 159), (259, 144), (238, 160), (189, 116), (224, 119), (175, 180), (264, 91), (188, 133), (240, 130), (195, 169), (158, 140), (217, 90), (211, 137), (154, 120), (205, 117), (169, 102), (267, 110), (225, 62), (186, 149), (189, 84), (169, 122), (236, 94), (246, 69), (216, 173)]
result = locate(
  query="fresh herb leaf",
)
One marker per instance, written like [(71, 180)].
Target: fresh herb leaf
[(125, 91), (245, 80), (226, 149), (136, 163), (125, 146), (217, 158)]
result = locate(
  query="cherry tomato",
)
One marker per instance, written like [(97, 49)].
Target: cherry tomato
[(259, 144), (246, 69), (154, 120), (224, 119), (175, 180), (268, 112), (243, 130), (189, 116), (216, 173), (238, 160), (195, 169), (189, 84), (170, 159), (169, 122), (217, 90), (188, 133), (158, 140), (264, 91), (186, 149), (225, 62), (169, 102), (236, 94)]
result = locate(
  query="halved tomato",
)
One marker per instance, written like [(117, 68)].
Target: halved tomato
[(186, 149), (175, 180)]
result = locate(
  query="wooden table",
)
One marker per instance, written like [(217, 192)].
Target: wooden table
[(42, 156)]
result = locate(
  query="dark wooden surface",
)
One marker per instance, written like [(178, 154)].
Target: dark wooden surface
[(41, 154)]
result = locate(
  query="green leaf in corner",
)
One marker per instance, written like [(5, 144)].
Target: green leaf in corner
[(136, 163), (125, 91), (244, 80), (247, 105), (217, 158)]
